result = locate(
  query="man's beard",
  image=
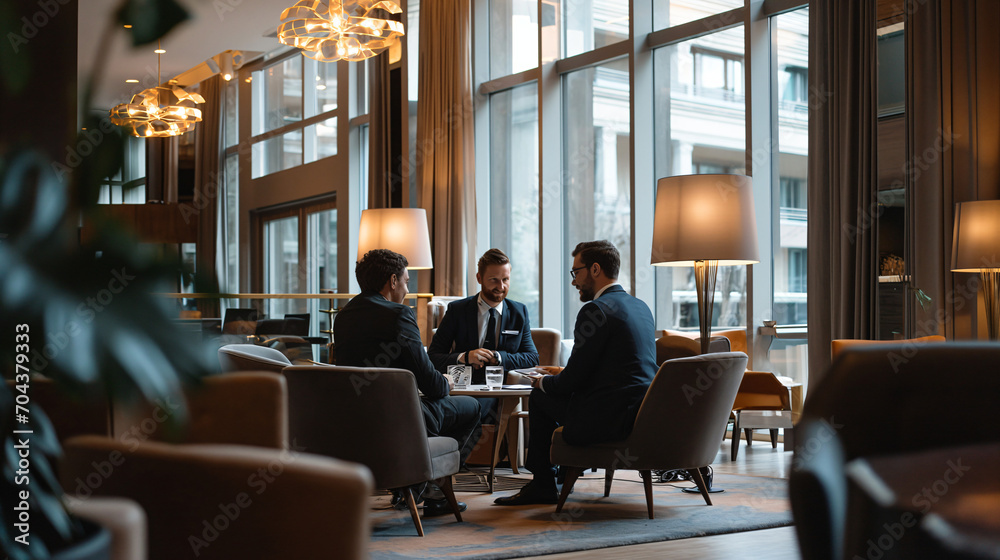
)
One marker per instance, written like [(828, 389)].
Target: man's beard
[(493, 298), (586, 294)]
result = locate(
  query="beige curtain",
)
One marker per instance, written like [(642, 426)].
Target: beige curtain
[(842, 175), (380, 134), (444, 146), (953, 124), (207, 188)]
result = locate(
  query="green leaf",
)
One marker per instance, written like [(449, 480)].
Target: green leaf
[(151, 19)]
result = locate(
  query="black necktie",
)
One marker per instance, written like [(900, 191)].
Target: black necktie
[(490, 341)]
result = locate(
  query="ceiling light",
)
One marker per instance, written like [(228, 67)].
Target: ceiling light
[(159, 111), (131, 81), (329, 30)]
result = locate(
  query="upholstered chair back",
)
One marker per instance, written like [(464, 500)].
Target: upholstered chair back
[(370, 416), (548, 342), (229, 501), (250, 357)]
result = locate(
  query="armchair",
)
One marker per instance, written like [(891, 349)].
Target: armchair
[(760, 390), (250, 357), (371, 416), (229, 501), (656, 441), (670, 347), (878, 400)]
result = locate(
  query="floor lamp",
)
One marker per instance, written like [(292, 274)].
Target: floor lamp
[(976, 248), (402, 230), (704, 221)]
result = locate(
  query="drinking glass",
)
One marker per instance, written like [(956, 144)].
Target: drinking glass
[(494, 377)]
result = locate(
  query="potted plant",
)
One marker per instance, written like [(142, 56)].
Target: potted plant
[(83, 314)]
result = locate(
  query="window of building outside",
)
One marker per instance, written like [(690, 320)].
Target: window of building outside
[(128, 185), (597, 202), (292, 122), (699, 127), (700, 116), (514, 189), (790, 71)]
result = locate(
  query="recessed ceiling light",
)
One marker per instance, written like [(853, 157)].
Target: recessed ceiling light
[(131, 81), (127, 26), (159, 51)]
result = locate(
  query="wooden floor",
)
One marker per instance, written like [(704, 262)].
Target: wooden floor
[(770, 544)]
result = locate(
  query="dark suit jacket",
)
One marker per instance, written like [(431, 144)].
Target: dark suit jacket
[(612, 365), (459, 332), (371, 331)]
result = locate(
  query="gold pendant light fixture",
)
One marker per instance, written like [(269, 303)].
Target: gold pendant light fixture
[(159, 111), (329, 30)]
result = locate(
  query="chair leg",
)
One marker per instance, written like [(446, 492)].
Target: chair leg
[(774, 438), (735, 449), (749, 433), (609, 475), (514, 443), (700, 481), (572, 473), (413, 511), (647, 485), (444, 483)]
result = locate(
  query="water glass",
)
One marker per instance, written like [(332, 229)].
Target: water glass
[(494, 377)]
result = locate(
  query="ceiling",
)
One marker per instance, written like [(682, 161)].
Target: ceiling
[(214, 26)]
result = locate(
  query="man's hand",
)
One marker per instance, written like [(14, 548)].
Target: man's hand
[(551, 370), (451, 381), (480, 357)]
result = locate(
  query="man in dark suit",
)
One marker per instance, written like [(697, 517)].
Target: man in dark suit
[(375, 329), (486, 329), (597, 395)]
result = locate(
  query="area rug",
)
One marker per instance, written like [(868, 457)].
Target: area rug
[(588, 521)]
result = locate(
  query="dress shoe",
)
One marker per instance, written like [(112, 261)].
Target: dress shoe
[(531, 493), (441, 507)]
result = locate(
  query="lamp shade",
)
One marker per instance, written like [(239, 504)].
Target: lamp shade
[(403, 230), (702, 218), (976, 243)]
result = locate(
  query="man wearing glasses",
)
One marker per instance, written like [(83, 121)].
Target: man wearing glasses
[(597, 395)]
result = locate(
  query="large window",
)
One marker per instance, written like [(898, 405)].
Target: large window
[(293, 102), (596, 159), (700, 127), (514, 188), (691, 87)]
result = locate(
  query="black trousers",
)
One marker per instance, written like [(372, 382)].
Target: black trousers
[(454, 417), (545, 414)]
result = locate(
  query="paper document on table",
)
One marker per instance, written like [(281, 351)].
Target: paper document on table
[(530, 372), (516, 387)]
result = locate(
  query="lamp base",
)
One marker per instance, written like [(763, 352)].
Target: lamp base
[(705, 274), (990, 280)]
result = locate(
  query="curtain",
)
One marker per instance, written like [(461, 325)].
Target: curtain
[(953, 124), (380, 134), (842, 175), (161, 168), (207, 177), (444, 146)]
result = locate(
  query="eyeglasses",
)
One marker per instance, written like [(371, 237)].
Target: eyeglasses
[(572, 271)]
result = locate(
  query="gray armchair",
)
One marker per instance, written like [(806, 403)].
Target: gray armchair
[(370, 416), (250, 357), (675, 428), (878, 400)]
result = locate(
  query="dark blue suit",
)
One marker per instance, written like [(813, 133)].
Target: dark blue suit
[(597, 396), (371, 331), (459, 332)]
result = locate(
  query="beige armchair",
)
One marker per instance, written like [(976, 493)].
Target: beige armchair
[(678, 427), (244, 408), (548, 342), (371, 416), (229, 501), (839, 345), (760, 391), (671, 347)]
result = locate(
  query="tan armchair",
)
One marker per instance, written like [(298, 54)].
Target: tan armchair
[(245, 408), (671, 347), (548, 342), (760, 391), (229, 501), (839, 345), (371, 416), (678, 426)]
